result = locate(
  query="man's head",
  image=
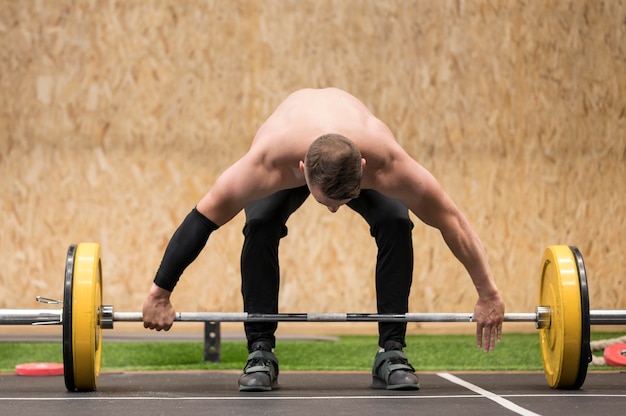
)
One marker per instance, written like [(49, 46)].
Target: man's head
[(333, 166)]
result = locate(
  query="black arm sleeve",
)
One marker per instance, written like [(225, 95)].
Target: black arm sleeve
[(184, 246)]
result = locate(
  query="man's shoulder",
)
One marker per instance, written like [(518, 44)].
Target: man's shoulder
[(277, 146)]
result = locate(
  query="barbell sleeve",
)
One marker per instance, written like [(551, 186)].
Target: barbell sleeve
[(30, 316)]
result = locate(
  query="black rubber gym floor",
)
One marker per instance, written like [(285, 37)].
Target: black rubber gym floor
[(313, 393)]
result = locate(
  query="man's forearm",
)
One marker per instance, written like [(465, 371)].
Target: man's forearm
[(183, 248), (468, 249)]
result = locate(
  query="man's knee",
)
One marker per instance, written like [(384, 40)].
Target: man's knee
[(394, 227), (266, 227)]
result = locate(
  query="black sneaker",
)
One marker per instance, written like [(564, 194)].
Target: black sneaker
[(261, 370), (392, 371)]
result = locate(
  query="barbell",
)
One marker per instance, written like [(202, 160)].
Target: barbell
[(563, 317)]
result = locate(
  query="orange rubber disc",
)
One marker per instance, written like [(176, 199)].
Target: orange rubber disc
[(615, 355), (39, 369)]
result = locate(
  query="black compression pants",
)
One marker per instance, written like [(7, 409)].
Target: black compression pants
[(390, 226)]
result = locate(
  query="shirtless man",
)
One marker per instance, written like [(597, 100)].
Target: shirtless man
[(327, 143)]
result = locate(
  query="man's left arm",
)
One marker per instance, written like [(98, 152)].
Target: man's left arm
[(467, 247), (425, 197)]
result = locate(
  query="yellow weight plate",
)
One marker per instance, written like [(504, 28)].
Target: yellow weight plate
[(561, 342), (86, 307)]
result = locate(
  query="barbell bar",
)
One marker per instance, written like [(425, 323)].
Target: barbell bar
[(55, 316), (563, 317), (541, 317)]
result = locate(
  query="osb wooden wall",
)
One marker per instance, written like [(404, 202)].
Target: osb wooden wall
[(117, 116)]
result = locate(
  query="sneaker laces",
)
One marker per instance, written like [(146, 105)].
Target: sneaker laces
[(258, 362), (400, 360)]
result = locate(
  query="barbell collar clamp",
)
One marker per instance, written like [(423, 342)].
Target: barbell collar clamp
[(543, 317), (106, 317)]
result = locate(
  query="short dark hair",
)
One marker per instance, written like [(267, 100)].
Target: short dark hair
[(333, 164)]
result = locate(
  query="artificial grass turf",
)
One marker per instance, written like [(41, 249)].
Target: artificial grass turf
[(517, 352)]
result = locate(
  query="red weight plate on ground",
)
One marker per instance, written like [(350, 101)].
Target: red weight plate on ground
[(39, 369), (615, 355)]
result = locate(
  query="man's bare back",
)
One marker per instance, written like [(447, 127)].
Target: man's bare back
[(308, 114), (272, 162)]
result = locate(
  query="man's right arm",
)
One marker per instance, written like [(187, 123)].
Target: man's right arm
[(183, 248), (185, 245), (241, 183)]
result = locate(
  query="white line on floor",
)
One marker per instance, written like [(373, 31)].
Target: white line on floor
[(242, 398), (237, 398), (489, 395)]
